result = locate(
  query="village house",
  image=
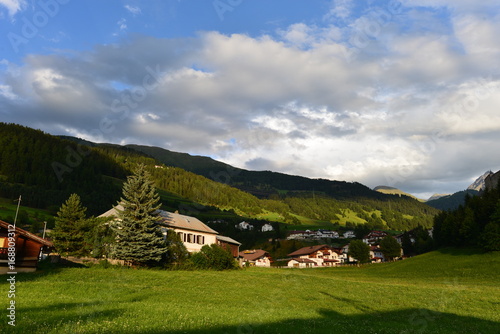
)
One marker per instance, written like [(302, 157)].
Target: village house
[(227, 242), (374, 237), (193, 233), (313, 235), (344, 255), (376, 254), (399, 237), (349, 234), (28, 248), (267, 228), (314, 256), (256, 257), (244, 226)]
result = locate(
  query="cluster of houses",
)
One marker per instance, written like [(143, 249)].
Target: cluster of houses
[(319, 234), (309, 257), (195, 234)]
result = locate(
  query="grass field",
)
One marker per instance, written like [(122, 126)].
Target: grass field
[(439, 292)]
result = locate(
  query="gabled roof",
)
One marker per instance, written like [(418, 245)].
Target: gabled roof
[(228, 240), (170, 219), (176, 220), (253, 255), (113, 212), (27, 234), (307, 250)]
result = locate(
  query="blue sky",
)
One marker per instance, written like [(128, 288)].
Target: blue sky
[(399, 93)]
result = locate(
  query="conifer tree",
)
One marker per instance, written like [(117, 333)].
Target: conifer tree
[(68, 235), (140, 239)]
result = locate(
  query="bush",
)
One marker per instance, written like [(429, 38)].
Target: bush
[(213, 257)]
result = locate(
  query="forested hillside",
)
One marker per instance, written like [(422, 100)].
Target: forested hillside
[(453, 201), (45, 170)]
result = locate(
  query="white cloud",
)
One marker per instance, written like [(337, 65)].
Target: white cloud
[(291, 103), (122, 24), (13, 6), (339, 9), (133, 9)]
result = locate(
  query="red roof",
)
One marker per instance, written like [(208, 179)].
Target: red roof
[(307, 250), (253, 255)]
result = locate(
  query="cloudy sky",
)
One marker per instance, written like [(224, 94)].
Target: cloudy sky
[(405, 94)]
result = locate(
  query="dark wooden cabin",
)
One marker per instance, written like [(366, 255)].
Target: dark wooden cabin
[(27, 249)]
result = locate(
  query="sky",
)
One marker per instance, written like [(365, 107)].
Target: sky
[(397, 93)]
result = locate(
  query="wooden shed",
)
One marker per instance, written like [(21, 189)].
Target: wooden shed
[(26, 245)]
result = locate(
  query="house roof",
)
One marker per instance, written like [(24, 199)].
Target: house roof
[(27, 234), (176, 220), (228, 240), (170, 219), (307, 250), (253, 255), (113, 212)]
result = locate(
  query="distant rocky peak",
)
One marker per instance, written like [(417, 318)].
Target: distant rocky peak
[(479, 184)]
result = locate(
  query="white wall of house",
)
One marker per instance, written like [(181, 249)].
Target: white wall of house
[(296, 264), (263, 262), (319, 258), (267, 228), (194, 240)]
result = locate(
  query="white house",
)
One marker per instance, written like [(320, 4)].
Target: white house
[(376, 254), (267, 228), (349, 234), (327, 234), (257, 257), (374, 237), (244, 226), (193, 233), (314, 256), (344, 255)]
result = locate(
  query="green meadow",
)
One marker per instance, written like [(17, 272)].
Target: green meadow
[(448, 291)]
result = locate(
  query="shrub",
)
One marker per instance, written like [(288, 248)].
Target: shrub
[(214, 257)]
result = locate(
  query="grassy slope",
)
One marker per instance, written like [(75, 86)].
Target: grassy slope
[(439, 292)]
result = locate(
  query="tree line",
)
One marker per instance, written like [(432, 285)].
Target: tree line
[(474, 224)]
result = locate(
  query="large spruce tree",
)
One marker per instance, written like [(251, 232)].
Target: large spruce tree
[(140, 239), (69, 231)]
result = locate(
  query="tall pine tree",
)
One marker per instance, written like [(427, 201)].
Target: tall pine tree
[(140, 239), (68, 234)]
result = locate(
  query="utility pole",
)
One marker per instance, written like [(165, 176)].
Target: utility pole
[(17, 211), (44, 228)]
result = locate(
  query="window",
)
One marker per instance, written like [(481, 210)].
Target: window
[(200, 239)]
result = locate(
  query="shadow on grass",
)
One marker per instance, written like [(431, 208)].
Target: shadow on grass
[(63, 315), (331, 321), (327, 321)]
